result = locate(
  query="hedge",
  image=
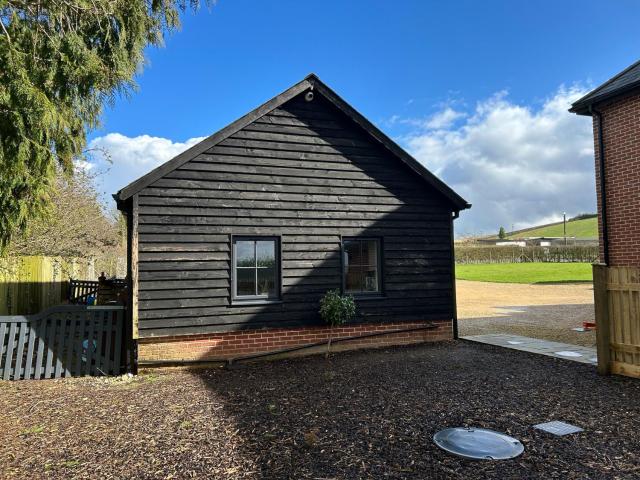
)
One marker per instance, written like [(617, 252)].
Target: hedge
[(466, 254)]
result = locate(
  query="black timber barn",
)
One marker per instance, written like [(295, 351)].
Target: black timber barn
[(233, 242)]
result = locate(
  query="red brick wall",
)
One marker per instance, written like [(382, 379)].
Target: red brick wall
[(621, 134), (233, 344)]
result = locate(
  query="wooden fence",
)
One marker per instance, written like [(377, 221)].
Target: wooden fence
[(617, 304), (81, 290), (31, 284), (64, 341)]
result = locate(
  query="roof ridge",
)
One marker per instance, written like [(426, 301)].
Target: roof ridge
[(310, 81)]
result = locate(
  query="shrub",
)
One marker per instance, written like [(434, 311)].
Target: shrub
[(336, 309)]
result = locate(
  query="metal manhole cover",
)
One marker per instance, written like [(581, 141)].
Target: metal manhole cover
[(478, 443)]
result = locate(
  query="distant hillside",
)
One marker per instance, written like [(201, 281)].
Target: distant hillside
[(584, 228)]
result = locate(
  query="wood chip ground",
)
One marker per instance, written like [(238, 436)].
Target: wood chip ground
[(367, 414)]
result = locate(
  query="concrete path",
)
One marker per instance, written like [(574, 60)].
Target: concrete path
[(542, 347)]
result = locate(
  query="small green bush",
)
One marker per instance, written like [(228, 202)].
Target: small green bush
[(336, 309)]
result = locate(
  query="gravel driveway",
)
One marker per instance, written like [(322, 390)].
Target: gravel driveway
[(357, 415), (540, 311)]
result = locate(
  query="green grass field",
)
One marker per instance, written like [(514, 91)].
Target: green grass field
[(587, 227), (526, 272)]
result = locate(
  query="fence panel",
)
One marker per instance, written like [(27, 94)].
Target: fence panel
[(63, 341), (30, 284), (617, 302)]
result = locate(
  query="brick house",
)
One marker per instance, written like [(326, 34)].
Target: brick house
[(232, 243), (615, 108)]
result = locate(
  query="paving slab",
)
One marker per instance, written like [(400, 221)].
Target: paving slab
[(566, 351)]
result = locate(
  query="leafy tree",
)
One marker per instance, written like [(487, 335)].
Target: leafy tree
[(335, 310), (76, 226), (60, 62), (502, 234)]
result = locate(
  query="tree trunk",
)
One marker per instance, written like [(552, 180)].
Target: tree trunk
[(329, 342)]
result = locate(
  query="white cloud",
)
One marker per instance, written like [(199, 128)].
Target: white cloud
[(124, 159), (517, 165), (443, 119)]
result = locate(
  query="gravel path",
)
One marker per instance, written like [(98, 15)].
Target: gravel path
[(540, 311), (357, 415)]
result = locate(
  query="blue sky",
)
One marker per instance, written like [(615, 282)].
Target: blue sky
[(460, 84)]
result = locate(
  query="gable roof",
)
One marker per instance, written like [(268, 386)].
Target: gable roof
[(623, 83), (311, 82)]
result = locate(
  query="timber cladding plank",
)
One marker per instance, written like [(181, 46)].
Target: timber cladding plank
[(292, 186), (233, 159), (306, 174), (202, 221), (205, 201), (207, 194), (315, 214), (270, 144), (375, 230), (179, 285), (357, 159), (389, 186)]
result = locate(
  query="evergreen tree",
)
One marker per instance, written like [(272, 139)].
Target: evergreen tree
[(502, 234), (60, 62)]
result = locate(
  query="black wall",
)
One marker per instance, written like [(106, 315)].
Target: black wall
[(309, 174)]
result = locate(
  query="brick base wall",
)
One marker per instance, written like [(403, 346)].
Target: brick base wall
[(217, 346)]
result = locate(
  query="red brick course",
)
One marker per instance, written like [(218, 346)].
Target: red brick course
[(216, 346), (621, 136)]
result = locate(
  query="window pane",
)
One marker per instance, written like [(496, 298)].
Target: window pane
[(266, 253), (370, 252), (370, 279), (267, 282), (245, 253), (246, 281), (354, 279), (361, 265), (352, 253)]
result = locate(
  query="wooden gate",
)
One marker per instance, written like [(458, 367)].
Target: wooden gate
[(617, 304), (64, 341)]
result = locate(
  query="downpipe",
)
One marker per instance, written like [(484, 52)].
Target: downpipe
[(603, 187)]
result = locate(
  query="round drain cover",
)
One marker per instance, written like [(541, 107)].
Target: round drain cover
[(478, 443)]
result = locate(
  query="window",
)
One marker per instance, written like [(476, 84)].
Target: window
[(361, 264), (256, 266)]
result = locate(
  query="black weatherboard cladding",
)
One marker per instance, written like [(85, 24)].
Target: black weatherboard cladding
[(308, 174)]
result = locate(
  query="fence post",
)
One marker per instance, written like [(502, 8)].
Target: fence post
[(601, 303)]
